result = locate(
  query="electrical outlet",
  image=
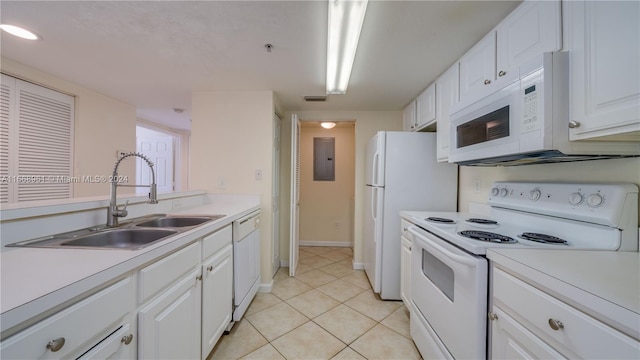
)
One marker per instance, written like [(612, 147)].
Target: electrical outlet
[(222, 182), (476, 186), (259, 174)]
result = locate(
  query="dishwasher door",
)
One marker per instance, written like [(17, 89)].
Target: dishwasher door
[(246, 262)]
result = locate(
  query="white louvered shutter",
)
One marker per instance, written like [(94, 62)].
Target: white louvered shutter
[(7, 92), (36, 142)]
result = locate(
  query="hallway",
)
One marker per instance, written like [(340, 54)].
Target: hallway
[(328, 311)]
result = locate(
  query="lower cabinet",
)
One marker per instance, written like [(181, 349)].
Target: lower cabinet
[(527, 322), (169, 326), (98, 326), (405, 266), (217, 289)]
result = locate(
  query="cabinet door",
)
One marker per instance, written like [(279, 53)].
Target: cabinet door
[(426, 107), (217, 297), (409, 117), (604, 42), (447, 92), (510, 340), (405, 272), (478, 69), (169, 326), (531, 29)]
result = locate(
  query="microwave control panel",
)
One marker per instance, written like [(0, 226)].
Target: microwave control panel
[(530, 109)]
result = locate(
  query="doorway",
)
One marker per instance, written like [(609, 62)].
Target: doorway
[(326, 204), (159, 147)]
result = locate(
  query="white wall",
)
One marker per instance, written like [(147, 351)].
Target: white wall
[(231, 137), (617, 170), (326, 207), (103, 126), (367, 124)]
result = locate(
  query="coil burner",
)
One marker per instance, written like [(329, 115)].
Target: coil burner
[(482, 221), (487, 236), (440, 220), (542, 238)]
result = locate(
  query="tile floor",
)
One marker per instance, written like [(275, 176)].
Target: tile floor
[(328, 311)]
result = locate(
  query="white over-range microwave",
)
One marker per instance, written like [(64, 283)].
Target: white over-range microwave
[(526, 122)]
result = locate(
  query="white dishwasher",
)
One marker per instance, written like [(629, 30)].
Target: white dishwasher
[(246, 262)]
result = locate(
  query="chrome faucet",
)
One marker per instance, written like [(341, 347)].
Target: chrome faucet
[(114, 212)]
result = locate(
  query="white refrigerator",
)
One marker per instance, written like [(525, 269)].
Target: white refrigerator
[(402, 174)]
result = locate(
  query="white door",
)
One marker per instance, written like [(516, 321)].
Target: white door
[(160, 151), (275, 193), (294, 236), (217, 297)]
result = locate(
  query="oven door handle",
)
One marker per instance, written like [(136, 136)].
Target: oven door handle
[(441, 250)]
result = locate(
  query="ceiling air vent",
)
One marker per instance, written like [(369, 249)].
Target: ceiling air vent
[(315, 98)]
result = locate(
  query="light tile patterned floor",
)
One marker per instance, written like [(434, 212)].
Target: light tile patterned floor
[(328, 311)]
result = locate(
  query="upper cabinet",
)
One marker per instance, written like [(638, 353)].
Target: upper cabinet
[(604, 45), (409, 117), (532, 28), (426, 107), (447, 94)]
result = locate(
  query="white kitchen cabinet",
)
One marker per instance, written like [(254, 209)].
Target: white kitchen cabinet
[(532, 28), (425, 107), (528, 322), (405, 266), (447, 95), (604, 46), (217, 287), (169, 326), (409, 117), (81, 328), (169, 322)]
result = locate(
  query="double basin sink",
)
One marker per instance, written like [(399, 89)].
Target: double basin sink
[(133, 234)]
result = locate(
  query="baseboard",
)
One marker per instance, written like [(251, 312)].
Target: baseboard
[(358, 266), (325, 243), (266, 288)]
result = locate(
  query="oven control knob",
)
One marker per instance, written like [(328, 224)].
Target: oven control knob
[(576, 198), (534, 195), (595, 200), (504, 192), (495, 191)]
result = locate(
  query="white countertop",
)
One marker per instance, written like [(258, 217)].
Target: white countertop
[(34, 280), (604, 284)]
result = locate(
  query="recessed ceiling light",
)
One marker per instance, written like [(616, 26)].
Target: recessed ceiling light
[(19, 32)]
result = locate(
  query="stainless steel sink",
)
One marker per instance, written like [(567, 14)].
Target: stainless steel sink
[(134, 234), (121, 238), (178, 221)]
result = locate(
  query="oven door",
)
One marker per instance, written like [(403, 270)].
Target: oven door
[(449, 290)]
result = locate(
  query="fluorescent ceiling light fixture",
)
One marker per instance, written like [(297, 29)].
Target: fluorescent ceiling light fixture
[(345, 22), (328, 125), (19, 32)]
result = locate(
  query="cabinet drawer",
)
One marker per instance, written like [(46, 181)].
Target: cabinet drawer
[(216, 241), (80, 326), (579, 335), (404, 228), (157, 276)]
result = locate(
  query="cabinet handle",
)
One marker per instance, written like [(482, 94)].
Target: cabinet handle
[(493, 316), (502, 73), (199, 277), (487, 82), (210, 268), (574, 124), (556, 324), (127, 339), (56, 344)]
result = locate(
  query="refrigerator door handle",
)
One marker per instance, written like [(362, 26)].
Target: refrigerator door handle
[(376, 171), (374, 203)]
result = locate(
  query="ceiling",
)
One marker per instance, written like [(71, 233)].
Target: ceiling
[(155, 54)]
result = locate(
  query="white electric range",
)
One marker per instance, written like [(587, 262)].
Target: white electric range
[(449, 273)]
